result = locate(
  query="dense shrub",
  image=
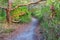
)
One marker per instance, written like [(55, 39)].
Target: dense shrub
[(49, 26), (2, 15), (21, 14)]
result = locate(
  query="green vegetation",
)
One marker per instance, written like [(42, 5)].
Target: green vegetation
[(2, 15), (50, 26), (21, 15), (18, 2), (49, 16), (3, 3)]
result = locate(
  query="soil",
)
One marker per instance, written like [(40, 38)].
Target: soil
[(31, 28)]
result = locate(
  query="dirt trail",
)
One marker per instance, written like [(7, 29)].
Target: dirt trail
[(30, 32)]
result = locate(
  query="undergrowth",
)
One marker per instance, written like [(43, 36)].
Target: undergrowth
[(50, 27), (21, 15)]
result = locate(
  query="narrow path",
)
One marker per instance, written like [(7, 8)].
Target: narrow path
[(29, 32)]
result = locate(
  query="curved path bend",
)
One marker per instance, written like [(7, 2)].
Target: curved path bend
[(29, 32)]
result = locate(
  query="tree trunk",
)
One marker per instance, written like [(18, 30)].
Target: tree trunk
[(8, 10)]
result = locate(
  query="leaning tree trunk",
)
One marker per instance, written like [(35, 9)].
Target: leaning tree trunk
[(8, 10)]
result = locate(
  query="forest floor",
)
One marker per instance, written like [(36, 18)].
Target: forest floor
[(14, 26), (29, 31)]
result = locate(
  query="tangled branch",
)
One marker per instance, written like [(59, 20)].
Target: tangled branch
[(26, 4), (22, 5)]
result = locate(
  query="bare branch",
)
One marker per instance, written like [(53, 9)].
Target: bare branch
[(26, 4)]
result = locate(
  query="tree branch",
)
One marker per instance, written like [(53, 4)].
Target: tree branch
[(26, 4)]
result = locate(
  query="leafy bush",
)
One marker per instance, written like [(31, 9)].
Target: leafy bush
[(49, 26), (21, 14), (2, 14), (40, 10)]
